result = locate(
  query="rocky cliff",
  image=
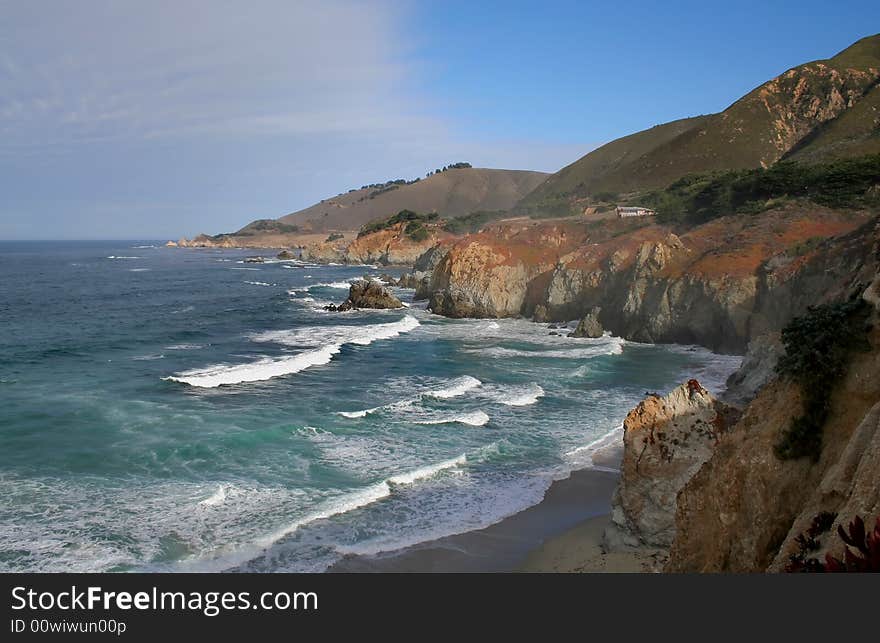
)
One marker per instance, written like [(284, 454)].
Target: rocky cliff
[(391, 246), (720, 284), (707, 486), (666, 441)]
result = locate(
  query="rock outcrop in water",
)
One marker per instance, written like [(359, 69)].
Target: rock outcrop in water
[(589, 326), (666, 440), (367, 293)]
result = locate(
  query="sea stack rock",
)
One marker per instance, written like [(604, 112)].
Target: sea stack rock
[(254, 260), (589, 326), (665, 441), (367, 293), (285, 255)]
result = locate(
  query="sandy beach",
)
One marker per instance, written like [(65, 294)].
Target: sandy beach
[(562, 533)]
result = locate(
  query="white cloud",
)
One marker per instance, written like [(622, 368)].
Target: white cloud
[(101, 70), (203, 115)]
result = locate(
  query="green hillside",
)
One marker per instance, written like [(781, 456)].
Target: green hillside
[(586, 175), (819, 110)]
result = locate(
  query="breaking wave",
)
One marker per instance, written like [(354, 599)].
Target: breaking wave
[(457, 387), (362, 497), (473, 418), (519, 396), (271, 367), (614, 347)]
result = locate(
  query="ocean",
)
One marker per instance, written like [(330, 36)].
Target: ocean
[(168, 409)]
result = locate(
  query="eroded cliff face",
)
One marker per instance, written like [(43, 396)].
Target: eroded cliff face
[(499, 272), (719, 285), (803, 98), (323, 252), (744, 509), (389, 246), (666, 440)]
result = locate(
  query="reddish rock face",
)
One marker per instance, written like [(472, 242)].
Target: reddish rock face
[(720, 284), (391, 246)]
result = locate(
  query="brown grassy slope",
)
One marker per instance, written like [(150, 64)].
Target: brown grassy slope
[(452, 193)]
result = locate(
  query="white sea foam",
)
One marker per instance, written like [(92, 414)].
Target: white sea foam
[(116, 257), (138, 269), (263, 369), (575, 352), (318, 305), (362, 335), (358, 414), (473, 418), (457, 387), (147, 358), (519, 396), (338, 285), (258, 283), (269, 367), (142, 247), (184, 347), (361, 498), (428, 471), (454, 388), (217, 498), (584, 456), (376, 409), (251, 269)]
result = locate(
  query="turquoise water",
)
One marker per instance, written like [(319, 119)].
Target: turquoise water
[(178, 409)]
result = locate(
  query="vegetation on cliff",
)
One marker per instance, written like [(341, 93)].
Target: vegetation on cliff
[(861, 552), (473, 222), (266, 226), (817, 349), (698, 198), (415, 224)]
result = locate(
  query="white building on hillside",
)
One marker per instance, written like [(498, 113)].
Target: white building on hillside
[(634, 211)]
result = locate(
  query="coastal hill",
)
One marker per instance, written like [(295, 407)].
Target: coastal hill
[(451, 193), (817, 111)]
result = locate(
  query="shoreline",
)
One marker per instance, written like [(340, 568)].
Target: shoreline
[(561, 533)]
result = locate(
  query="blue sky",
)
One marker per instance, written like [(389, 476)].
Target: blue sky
[(164, 119)]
